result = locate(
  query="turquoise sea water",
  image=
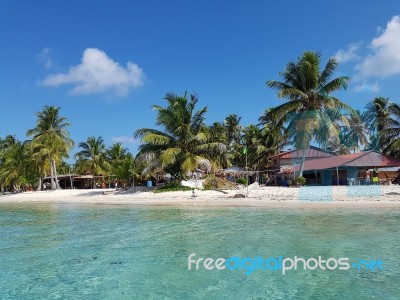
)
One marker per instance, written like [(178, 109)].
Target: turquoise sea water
[(123, 252)]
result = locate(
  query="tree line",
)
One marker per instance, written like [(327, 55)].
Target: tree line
[(183, 142)]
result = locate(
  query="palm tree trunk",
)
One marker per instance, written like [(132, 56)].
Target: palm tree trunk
[(53, 185), (40, 184), (55, 175), (303, 160)]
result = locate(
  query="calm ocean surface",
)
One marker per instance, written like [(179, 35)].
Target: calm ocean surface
[(123, 252)]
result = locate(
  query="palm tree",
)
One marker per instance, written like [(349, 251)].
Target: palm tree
[(181, 145), (51, 138), (356, 134), (311, 112), (92, 158), (122, 163), (8, 141), (126, 170), (391, 134), (340, 145), (261, 143), (275, 129), (116, 152), (233, 128), (16, 167), (42, 164), (378, 116), (217, 133)]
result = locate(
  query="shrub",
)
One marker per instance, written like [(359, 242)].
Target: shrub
[(172, 186), (301, 180), (242, 181), (216, 183)]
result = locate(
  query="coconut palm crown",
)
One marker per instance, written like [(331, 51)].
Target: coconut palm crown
[(92, 158), (51, 138), (311, 112), (182, 143)]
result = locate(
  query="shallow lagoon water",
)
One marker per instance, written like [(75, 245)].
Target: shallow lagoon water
[(63, 251)]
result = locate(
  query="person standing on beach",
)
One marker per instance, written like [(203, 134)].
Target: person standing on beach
[(375, 176), (367, 177)]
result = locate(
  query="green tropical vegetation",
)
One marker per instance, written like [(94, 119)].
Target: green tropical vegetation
[(50, 141), (311, 113), (182, 141)]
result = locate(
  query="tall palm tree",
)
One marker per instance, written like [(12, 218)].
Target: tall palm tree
[(311, 112), (51, 138), (92, 158), (378, 116), (181, 145), (42, 164)]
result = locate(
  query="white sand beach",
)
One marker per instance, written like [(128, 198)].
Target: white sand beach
[(326, 196)]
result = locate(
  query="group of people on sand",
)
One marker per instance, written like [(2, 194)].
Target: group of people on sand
[(372, 177)]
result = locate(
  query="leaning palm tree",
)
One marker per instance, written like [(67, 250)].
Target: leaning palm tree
[(51, 138), (181, 144), (92, 158), (311, 112)]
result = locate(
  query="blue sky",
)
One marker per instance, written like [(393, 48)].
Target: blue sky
[(105, 63)]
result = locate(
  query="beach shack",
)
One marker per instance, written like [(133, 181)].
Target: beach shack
[(348, 169), (76, 181), (281, 167)]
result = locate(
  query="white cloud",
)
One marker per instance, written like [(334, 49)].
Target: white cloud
[(123, 139), (45, 57), (365, 86), (343, 56), (385, 57), (98, 73)]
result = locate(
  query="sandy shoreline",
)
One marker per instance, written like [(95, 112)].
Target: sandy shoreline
[(318, 197)]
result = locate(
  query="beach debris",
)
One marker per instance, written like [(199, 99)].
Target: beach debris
[(194, 184), (249, 188), (239, 196)]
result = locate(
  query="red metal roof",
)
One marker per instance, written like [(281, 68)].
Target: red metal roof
[(367, 159), (311, 152)]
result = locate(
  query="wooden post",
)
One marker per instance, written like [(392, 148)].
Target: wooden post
[(316, 177), (337, 175)]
